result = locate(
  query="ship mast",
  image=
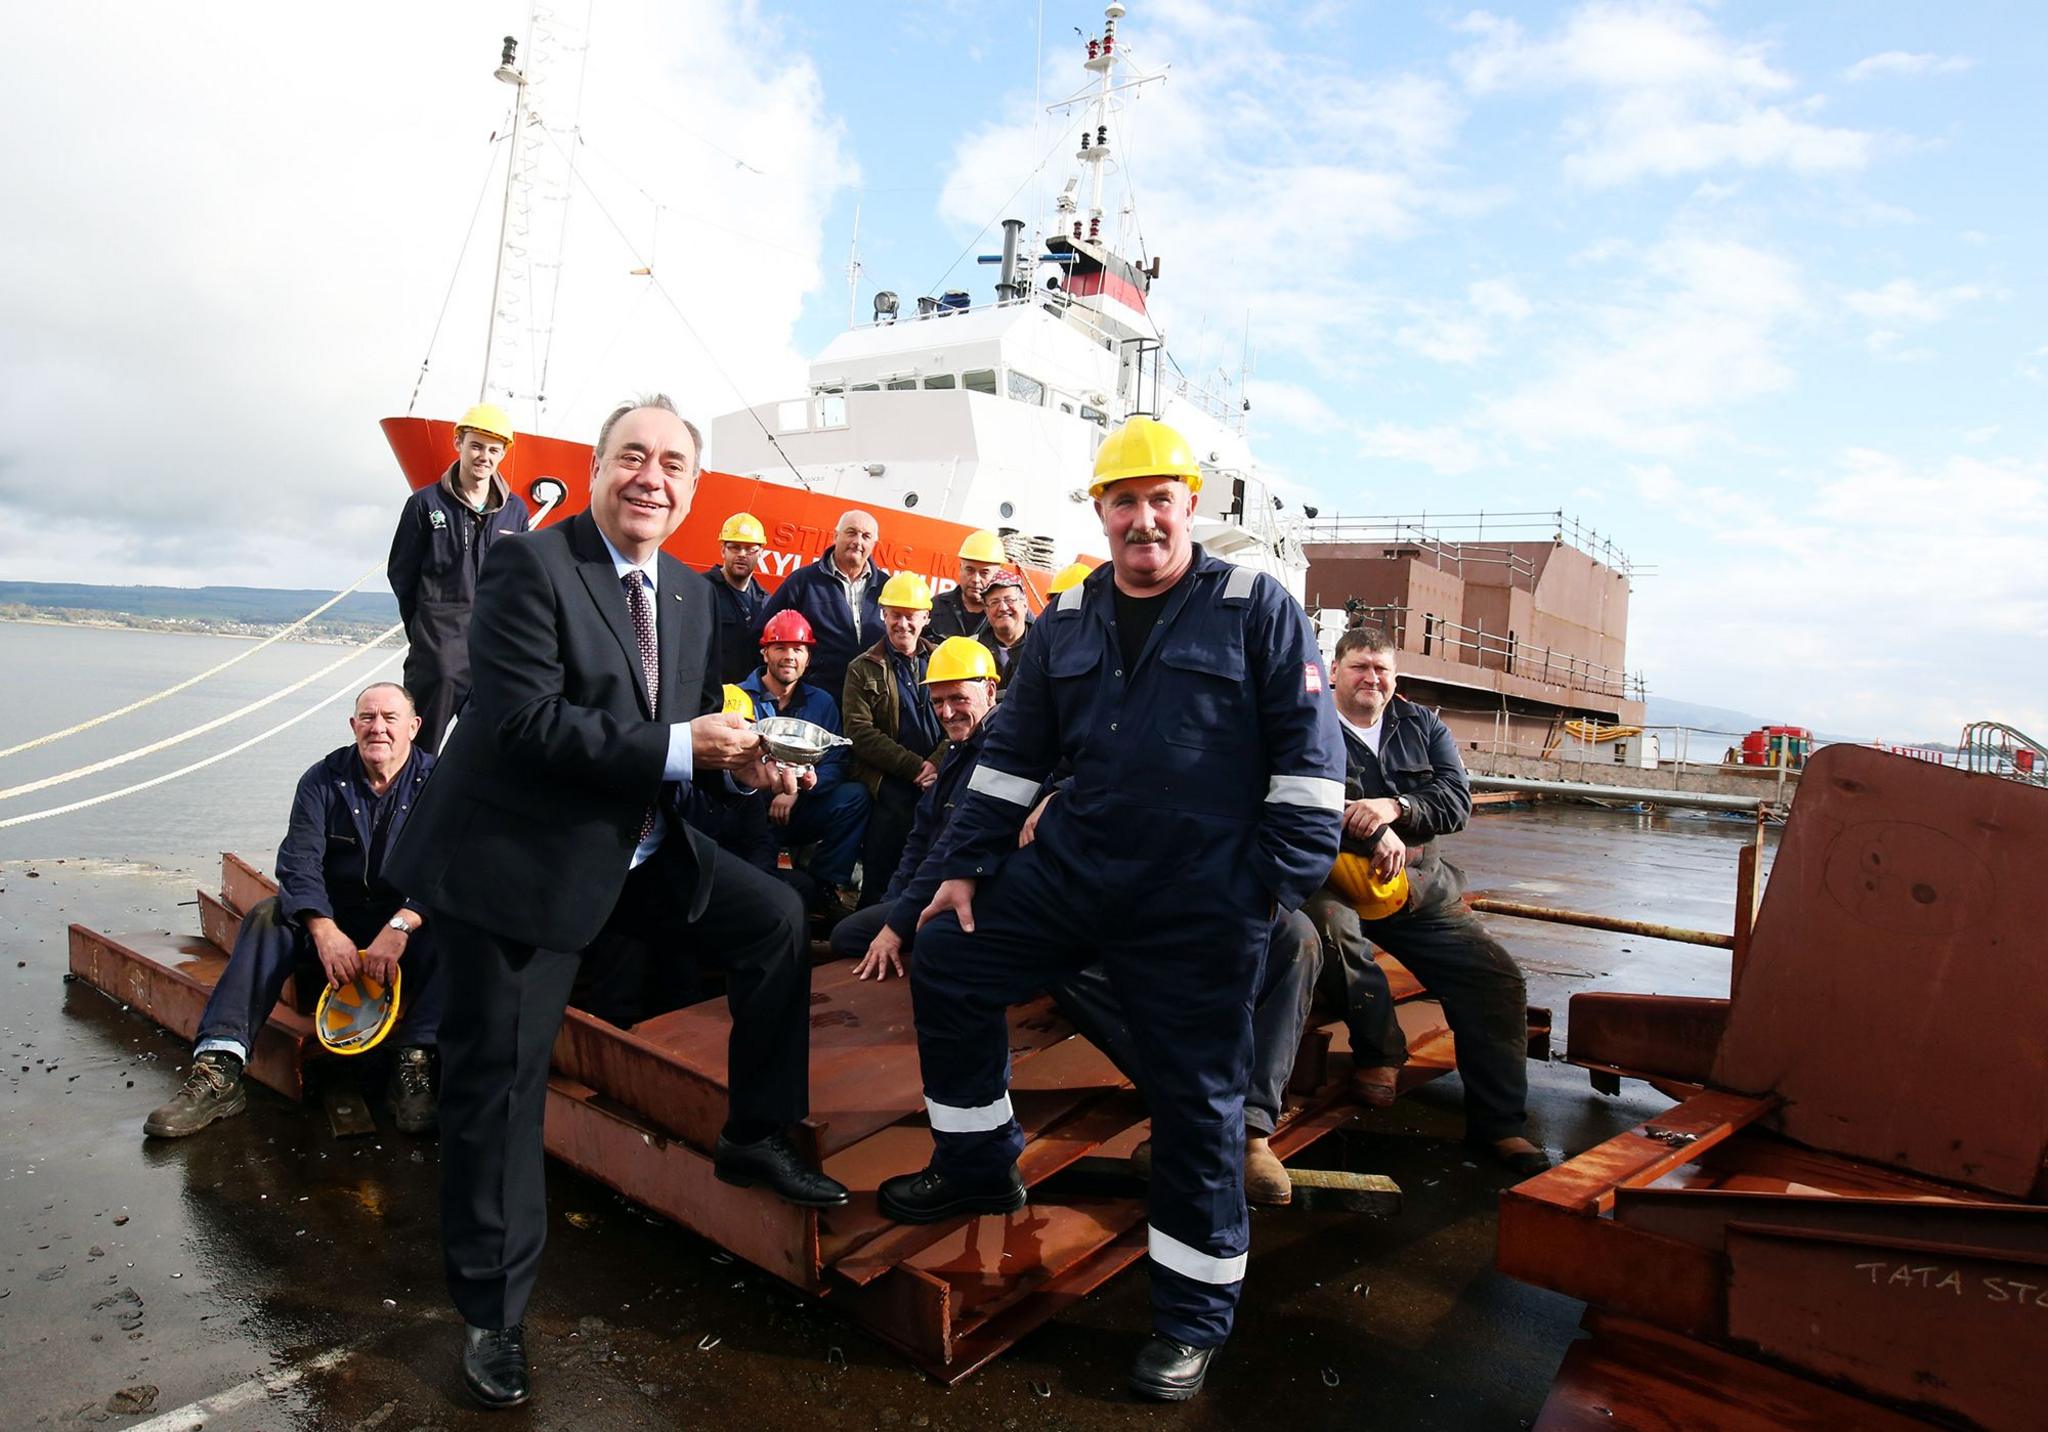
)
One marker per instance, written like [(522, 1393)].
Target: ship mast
[(1102, 58), (511, 75)]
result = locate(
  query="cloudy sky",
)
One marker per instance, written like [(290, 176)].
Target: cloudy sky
[(1755, 288)]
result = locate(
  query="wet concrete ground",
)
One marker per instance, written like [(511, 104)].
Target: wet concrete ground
[(266, 1274)]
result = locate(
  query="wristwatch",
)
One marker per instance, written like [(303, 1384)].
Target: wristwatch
[(399, 923), (1407, 806)]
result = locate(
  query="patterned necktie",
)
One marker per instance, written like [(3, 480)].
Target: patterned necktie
[(650, 662)]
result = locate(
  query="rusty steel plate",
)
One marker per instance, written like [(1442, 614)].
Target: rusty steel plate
[(1896, 989)]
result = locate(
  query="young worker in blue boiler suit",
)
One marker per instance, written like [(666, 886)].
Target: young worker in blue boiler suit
[(1188, 699)]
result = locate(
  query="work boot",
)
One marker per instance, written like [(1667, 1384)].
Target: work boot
[(1376, 1087), (1265, 1178), (1169, 1371), (1141, 1159), (929, 1196), (411, 1092), (213, 1090), (1517, 1155)]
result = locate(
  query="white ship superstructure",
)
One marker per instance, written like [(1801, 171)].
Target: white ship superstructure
[(990, 415)]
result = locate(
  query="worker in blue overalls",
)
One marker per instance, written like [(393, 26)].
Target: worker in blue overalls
[(1186, 696)]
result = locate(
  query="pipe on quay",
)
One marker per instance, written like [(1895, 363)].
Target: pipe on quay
[(1591, 921), (1698, 800)]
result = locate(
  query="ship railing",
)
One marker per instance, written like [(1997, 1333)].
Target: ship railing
[(1427, 634), (1453, 537)]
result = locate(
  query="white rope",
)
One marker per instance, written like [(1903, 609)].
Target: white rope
[(193, 680), (350, 689), (201, 729)]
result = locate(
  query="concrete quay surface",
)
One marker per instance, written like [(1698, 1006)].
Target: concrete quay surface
[(265, 1274)]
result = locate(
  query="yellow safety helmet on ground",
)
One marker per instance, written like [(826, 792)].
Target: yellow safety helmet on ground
[(743, 527), (983, 546), (1371, 897), (1145, 447), (961, 658), (908, 591), (737, 702), (488, 419), (355, 1018), (1071, 575)]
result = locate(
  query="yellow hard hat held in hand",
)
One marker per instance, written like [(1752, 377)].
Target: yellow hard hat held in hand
[(908, 591), (1372, 897), (355, 1018), (1145, 447), (737, 702), (1071, 575)]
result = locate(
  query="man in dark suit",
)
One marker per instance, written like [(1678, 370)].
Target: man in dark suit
[(556, 821)]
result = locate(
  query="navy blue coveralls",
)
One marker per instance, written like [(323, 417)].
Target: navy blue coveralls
[(436, 554), (1206, 794), (833, 815), (740, 615), (816, 590), (329, 863)]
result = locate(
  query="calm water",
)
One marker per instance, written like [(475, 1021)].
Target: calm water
[(58, 675)]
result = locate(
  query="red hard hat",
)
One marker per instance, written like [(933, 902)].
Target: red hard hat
[(787, 628)]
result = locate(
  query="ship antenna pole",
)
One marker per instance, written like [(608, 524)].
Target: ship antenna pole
[(853, 270), (1104, 63), (508, 73)]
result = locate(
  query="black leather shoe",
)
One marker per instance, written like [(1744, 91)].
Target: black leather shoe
[(929, 1196), (494, 1365), (1169, 1371), (774, 1163)]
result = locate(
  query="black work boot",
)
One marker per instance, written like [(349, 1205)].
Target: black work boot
[(213, 1090), (1169, 1371), (411, 1092), (929, 1196)]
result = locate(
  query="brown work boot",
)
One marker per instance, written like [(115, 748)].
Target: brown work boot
[(1141, 1159), (213, 1090), (1375, 1087), (1265, 1178), (1517, 1155), (411, 1092)]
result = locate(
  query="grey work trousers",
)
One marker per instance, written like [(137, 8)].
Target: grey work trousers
[(1460, 963)]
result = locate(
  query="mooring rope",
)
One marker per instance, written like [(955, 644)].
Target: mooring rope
[(203, 727), (350, 689), (190, 680)]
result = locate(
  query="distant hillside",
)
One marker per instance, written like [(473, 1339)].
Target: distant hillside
[(1663, 711), (233, 610)]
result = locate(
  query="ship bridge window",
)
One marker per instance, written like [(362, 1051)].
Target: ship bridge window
[(939, 380), (1095, 416), (867, 387), (831, 408), (902, 385), (1026, 390), (979, 380), (1066, 407), (792, 416)]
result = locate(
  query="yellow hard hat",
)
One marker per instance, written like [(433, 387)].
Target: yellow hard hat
[(1371, 897), (909, 591), (1070, 575), (743, 527), (737, 702), (983, 546), (961, 658), (1145, 447), (488, 419), (355, 1018)]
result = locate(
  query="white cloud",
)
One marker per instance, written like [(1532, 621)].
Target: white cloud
[(1292, 406), (240, 261), (1901, 62), (1669, 94), (1905, 301), (1445, 449), (1704, 326)]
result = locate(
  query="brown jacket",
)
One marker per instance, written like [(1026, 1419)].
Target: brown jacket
[(872, 717)]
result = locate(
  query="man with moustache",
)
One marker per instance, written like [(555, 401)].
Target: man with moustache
[(1404, 786), (443, 534), (1185, 695), (560, 817), (896, 737), (738, 597), (334, 911), (840, 595)]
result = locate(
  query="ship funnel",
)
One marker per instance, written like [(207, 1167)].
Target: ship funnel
[(1008, 290)]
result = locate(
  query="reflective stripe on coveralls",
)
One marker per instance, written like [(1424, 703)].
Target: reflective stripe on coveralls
[(948, 1120)]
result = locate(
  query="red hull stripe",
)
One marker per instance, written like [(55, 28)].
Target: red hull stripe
[(1084, 285)]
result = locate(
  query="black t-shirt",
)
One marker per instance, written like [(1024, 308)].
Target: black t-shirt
[(1135, 618)]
